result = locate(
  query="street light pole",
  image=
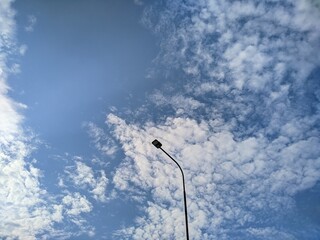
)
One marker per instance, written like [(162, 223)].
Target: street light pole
[(158, 144)]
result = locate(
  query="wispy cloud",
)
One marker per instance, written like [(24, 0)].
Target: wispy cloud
[(138, 2), (251, 141), (32, 20), (102, 142), (180, 103), (83, 176)]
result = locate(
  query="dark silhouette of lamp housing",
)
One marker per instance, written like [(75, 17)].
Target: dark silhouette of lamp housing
[(158, 144)]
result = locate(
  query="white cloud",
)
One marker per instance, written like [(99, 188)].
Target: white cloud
[(10, 124), (100, 187), (76, 204), (181, 104), (101, 141), (73, 207), (7, 23), (24, 212), (83, 176), (270, 233), (255, 143), (222, 175), (245, 38)]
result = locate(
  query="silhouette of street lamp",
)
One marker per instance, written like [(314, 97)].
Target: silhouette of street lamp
[(158, 144)]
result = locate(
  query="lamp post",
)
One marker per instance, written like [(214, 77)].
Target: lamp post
[(158, 144)]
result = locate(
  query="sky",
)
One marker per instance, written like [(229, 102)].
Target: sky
[(230, 88)]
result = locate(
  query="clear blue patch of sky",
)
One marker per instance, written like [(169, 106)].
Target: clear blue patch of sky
[(82, 58)]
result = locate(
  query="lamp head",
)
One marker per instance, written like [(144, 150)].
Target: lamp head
[(156, 143)]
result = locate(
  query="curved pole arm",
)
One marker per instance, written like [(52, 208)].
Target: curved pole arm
[(177, 165), (157, 144)]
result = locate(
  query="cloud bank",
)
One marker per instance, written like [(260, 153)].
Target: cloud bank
[(244, 121)]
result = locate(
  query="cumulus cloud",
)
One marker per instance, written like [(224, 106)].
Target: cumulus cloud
[(251, 141)]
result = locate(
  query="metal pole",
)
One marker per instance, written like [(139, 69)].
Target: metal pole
[(184, 194), (157, 144)]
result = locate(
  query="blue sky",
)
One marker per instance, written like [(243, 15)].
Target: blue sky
[(231, 89)]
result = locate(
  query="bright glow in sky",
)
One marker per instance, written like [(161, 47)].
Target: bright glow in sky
[(230, 88)]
